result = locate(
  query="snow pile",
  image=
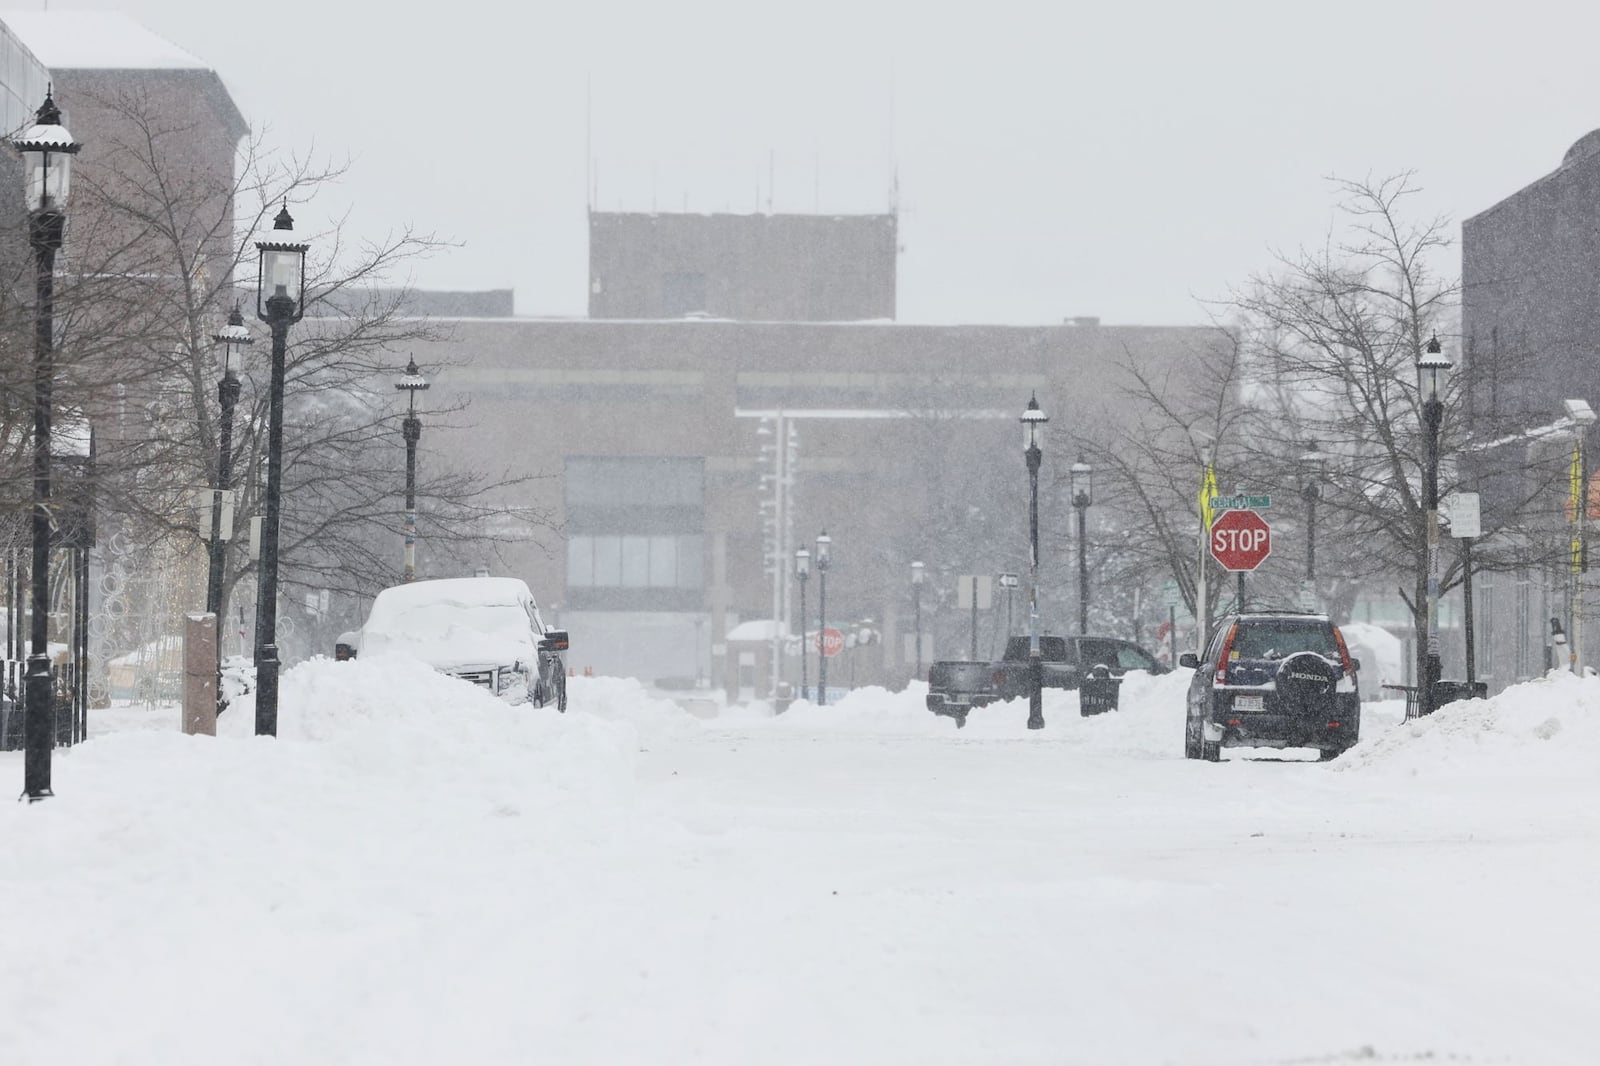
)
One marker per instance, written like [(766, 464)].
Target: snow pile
[(1549, 724), (625, 700)]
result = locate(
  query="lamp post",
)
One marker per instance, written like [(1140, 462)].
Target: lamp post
[(1313, 468), (411, 383), (918, 576), (280, 302), (233, 337), (47, 150), (802, 570), (824, 557), (1082, 497), (1431, 368), (1033, 422)]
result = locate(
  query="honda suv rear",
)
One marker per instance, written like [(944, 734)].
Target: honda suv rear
[(1272, 680)]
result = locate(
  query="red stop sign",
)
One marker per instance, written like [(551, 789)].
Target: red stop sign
[(1240, 540), (830, 642)]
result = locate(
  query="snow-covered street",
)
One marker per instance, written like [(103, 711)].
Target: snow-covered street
[(414, 873)]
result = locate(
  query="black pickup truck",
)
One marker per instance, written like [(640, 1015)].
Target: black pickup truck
[(957, 686)]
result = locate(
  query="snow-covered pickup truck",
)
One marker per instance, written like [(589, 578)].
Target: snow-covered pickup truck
[(485, 630), (956, 686)]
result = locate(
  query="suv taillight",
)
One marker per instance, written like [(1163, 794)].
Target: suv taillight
[(1222, 659), (1344, 654)]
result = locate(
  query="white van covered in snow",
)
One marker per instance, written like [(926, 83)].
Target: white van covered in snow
[(485, 630)]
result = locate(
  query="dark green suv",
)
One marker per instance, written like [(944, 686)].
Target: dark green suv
[(1272, 680)]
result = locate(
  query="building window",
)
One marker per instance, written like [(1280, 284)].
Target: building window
[(682, 293), (664, 561), (607, 561), (634, 562)]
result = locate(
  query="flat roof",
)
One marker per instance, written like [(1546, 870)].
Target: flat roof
[(96, 40)]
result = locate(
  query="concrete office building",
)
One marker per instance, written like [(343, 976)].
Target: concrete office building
[(717, 344)]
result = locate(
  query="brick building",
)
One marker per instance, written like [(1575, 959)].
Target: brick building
[(1530, 269)]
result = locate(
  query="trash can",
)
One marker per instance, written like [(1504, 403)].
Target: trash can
[(1098, 692), (1449, 691)]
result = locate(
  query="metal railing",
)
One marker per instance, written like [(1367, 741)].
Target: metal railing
[(70, 719)]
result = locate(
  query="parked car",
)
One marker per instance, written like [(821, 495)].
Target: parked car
[(1273, 680), (486, 630), (956, 686)]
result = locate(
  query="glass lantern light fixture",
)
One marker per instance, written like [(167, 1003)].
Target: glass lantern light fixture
[(281, 281), (47, 150)]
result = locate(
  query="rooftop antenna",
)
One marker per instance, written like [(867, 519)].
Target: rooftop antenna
[(894, 158), (588, 140)]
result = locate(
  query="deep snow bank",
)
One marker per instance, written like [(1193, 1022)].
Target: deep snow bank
[(1550, 723)]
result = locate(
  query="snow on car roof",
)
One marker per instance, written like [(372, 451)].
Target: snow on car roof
[(457, 592)]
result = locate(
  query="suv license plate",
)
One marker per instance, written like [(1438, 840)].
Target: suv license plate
[(1247, 703)]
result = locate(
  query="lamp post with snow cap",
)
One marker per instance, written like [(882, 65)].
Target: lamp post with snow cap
[(1432, 366), (280, 302), (234, 336), (802, 571), (47, 150), (411, 383), (824, 557), (1033, 423), (1082, 496), (918, 576)]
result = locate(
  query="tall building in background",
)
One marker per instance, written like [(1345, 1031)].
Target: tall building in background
[(754, 268), (715, 344)]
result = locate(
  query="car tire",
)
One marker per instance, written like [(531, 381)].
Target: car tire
[(1210, 750), (1192, 738), (1330, 754), (561, 693)]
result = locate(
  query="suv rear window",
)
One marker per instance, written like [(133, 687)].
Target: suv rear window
[(1279, 638)]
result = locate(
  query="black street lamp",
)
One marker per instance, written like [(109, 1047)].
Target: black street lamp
[(47, 150), (1313, 467), (1082, 497), (411, 383), (280, 302), (802, 570), (232, 338), (1432, 366), (824, 557), (918, 575), (1313, 470), (1033, 422)]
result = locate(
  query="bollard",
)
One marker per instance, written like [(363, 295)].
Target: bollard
[(200, 675)]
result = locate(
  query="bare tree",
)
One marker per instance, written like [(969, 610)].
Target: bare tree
[(177, 238), (1320, 354)]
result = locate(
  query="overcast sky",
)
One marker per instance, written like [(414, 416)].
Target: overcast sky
[(1119, 159)]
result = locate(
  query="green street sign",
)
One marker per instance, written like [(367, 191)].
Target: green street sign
[(1171, 595), (1240, 503)]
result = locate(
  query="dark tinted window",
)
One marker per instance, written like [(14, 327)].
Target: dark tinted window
[(1051, 649), (1098, 652), (1131, 657), (1279, 638)]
